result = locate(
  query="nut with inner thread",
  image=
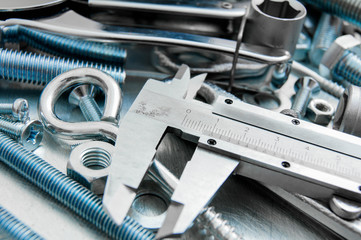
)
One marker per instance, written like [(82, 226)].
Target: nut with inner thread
[(89, 165), (320, 111)]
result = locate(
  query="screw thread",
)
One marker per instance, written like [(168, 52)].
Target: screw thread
[(217, 226), (40, 69), (15, 228), (64, 46), (90, 108), (349, 68), (70, 193), (301, 100), (349, 10), (6, 108), (328, 29), (12, 129)]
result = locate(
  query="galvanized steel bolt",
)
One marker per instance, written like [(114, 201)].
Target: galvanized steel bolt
[(307, 86), (19, 110), (40, 69), (83, 96), (14, 228), (27, 134), (67, 191)]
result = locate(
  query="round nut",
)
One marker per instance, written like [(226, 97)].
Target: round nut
[(320, 111), (89, 164)]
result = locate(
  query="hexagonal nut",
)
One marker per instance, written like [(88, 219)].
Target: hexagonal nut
[(320, 111), (334, 54), (89, 165)]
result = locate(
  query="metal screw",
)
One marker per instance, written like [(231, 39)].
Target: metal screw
[(67, 191), (63, 46), (19, 110), (15, 228), (83, 96), (349, 10), (286, 164), (348, 68), (27, 134), (307, 86), (328, 29), (40, 69), (218, 227)]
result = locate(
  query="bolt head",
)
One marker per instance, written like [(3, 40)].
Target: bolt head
[(20, 110), (32, 135), (309, 83), (81, 91)]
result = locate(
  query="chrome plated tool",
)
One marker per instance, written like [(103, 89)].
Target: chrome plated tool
[(232, 137)]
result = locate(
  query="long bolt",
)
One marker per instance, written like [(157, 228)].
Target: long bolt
[(307, 86), (348, 69), (27, 134), (83, 96), (40, 69), (65, 46), (65, 190), (14, 228), (349, 10), (19, 110), (328, 29)]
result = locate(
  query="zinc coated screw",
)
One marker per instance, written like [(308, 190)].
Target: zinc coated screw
[(307, 86), (40, 69), (83, 96), (348, 68), (14, 228), (349, 10), (19, 110), (64, 46), (27, 134), (216, 225), (328, 29), (67, 191)]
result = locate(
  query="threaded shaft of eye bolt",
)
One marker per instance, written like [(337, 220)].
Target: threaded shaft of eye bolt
[(349, 68), (65, 46), (217, 226), (15, 228), (10, 128), (65, 190), (40, 69), (349, 10), (90, 109)]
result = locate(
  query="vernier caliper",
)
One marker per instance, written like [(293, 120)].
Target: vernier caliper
[(232, 137)]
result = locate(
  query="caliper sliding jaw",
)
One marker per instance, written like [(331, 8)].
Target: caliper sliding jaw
[(232, 137)]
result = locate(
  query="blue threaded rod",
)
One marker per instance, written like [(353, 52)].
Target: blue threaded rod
[(348, 68), (15, 228), (65, 46), (40, 69), (70, 193), (349, 10)]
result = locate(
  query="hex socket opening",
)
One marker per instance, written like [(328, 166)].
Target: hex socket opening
[(278, 9)]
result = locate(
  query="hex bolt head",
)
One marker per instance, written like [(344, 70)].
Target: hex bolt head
[(20, 109), (31, 135)]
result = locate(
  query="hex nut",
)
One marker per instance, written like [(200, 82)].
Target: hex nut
[(334, 54), (89, 165), (320, 111)]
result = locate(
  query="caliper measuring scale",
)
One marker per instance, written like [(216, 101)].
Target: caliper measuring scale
[(232, 137)]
